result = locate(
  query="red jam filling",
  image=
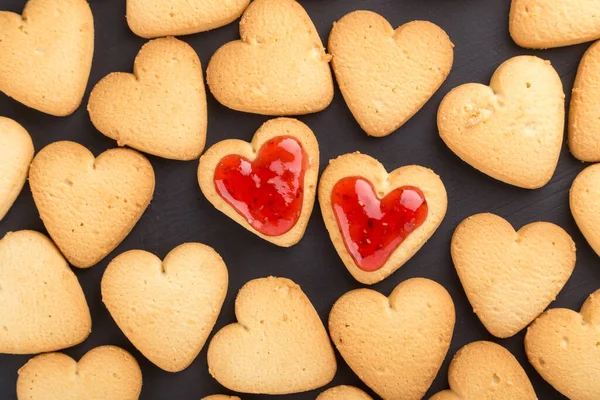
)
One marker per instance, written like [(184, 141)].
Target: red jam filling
[(268, 191), (373, 228)]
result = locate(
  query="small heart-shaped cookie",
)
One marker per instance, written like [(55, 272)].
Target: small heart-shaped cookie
[(160, 109), (583, 198), (511, 130), (47, 54), (166, 308), (510, 277), (268, 186), (344, 392), (89, 205), (395, 345), (106, 372), (156, 18), (278, 346), (485, 370), (16, 153), (378, 221), (542, 24), (584, 114), (387, 75), (42, 306), (564, 348), (279, 67)]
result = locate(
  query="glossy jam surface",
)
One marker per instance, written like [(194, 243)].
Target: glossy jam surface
[(268, 191), (373, 228)]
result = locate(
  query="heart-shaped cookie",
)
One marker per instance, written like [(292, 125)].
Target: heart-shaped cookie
[(541, 24), (387, 75), (42, 306), (378, 221), (106, 372), (160, 109), (564, 348), (395, 345), (511, 130), (156, 18), (278, 346), (344, 392), (279, 67), (166, 308), (89, 205), (47, 54), (510, 277), (485, 370), (268, 186), (583, 198), (16, 153), (584, 114)]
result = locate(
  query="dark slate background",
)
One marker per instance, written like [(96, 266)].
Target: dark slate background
[(179, 212)]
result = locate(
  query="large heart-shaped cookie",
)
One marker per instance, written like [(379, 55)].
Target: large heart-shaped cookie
[(42, 306), (160, 109), (511, 130), (344, 392), (47, 54), (16, 153), (511, 277), (485, 370), (89, 205), (279, 67), (585, 207), (387, 75), (106, 372), (166, 308), (395, 345), (268, 186), (378, 221), (156, 18), (542, 24), (278, 346), (564, 347), (584, 114)]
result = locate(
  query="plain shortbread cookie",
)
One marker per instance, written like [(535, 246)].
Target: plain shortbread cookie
[(387, 75), (585, 207), (166, 308), (279, 67), (42, 306), (47, 54), (278, 346), (89, 205), (160, 109), (344, 392)]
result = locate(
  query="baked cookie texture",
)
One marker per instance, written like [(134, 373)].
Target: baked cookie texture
[(583, 199), (362, 165), (395, 345), (511, 130), (486, 370), (221, 397), (166, 308), (160, 109), (47, 54), (344, 392), (541, 24), (16, 153), (279, 67), (387, 75), (269, 130), (584, 114), (278, 346), (511, 277), (42, 306), (106, 372), (155, 18), (562, 345), (89, 205)]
